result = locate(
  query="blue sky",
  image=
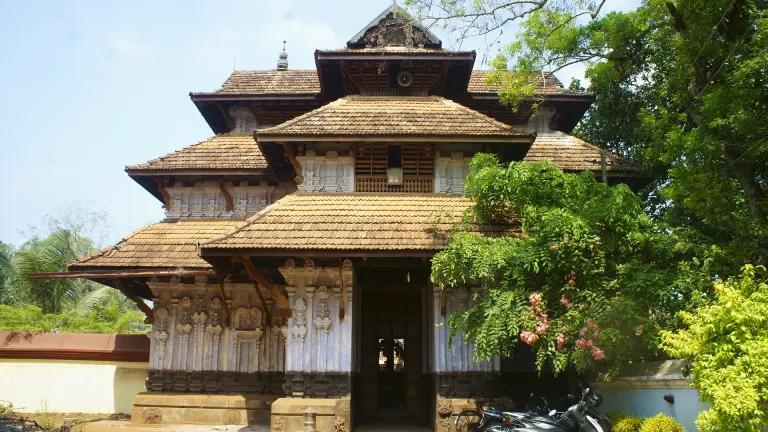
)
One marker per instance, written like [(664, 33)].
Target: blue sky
[(90, 86)]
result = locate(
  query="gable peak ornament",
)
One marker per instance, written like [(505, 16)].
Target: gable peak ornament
[(394, 27), (282, 62)]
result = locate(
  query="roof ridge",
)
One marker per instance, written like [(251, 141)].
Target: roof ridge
[(261, 213), (338, 102)]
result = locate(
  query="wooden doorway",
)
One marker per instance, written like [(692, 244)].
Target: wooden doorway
[(391, 385)]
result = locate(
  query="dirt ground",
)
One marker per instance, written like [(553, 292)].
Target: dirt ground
[(50, 422)]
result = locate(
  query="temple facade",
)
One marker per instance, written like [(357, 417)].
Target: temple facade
[(292, 267)]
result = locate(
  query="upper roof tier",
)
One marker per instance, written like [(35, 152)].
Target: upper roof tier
[(295, 82), (392, 116)]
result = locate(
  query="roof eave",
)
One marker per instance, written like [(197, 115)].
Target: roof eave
[(396, 138), (209, 97), (217, 172), (209, 251), (402, 55)]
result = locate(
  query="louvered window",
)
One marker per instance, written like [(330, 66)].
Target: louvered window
[(373, 162)]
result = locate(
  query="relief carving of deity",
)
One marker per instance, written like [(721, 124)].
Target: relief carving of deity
[(214, 312), (183, 325), (323, 320), (299, 329)]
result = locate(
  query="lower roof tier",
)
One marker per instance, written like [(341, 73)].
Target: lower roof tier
[(305, 223), (349, 222), (172, 244)]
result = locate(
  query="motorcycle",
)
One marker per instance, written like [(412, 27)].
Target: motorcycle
[(580, 417)]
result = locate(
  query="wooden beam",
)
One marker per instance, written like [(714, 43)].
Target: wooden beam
[(118, 274), (280, 299), (139, 302)]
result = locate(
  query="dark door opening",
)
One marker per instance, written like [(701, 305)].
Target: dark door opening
[(391, 383)]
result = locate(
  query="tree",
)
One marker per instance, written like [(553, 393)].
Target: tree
[(680, 88), (6, 252), (64, 304), (584, 276), (727, 346), (49, 255)]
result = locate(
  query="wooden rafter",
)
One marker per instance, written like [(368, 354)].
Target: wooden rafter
[(110, 274)]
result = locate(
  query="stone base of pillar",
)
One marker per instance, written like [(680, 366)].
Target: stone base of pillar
[(332, 414), (201, 409)]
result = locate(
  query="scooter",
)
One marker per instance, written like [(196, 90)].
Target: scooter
[(580, 417)]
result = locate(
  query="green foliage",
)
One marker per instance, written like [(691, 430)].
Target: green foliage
[(588, 279), (727, 346), (680, 89), (661, 423), (65, 304), (627, 424)]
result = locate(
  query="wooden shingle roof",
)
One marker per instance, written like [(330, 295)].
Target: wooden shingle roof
[(349, 222), (365, 116), (162, 245), (235, 150), (573, 154)]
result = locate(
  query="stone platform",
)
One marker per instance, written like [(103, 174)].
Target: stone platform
[(201, 409), (126, 426)]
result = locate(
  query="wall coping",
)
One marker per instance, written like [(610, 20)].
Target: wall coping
[(74, 346)]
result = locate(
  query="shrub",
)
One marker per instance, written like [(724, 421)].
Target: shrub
[(727, 347), (661, 423), (628, 424)]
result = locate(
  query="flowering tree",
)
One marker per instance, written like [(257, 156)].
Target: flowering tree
[(584, 277)]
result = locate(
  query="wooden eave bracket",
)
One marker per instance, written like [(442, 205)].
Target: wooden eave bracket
[(228, 197), (290, 154), (280, 299), (143, 307), (163, 193)]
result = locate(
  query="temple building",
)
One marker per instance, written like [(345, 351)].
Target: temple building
[(292, 267)]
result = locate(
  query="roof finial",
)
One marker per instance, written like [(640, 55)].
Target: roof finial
[(394, 8), (282, 64)]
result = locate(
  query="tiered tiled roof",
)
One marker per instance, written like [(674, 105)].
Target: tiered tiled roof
[(573, 154), (350, 222), (162, 245), (236, 150), (393, 116)]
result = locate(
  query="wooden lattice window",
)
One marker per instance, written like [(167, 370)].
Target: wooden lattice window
[(417, 162)]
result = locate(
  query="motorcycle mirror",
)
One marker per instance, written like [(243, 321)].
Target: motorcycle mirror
[(585, 392), (552, 413)]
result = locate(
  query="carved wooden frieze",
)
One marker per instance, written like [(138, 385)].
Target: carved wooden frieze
[(328, 173), (209, 199), (451, 172)]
